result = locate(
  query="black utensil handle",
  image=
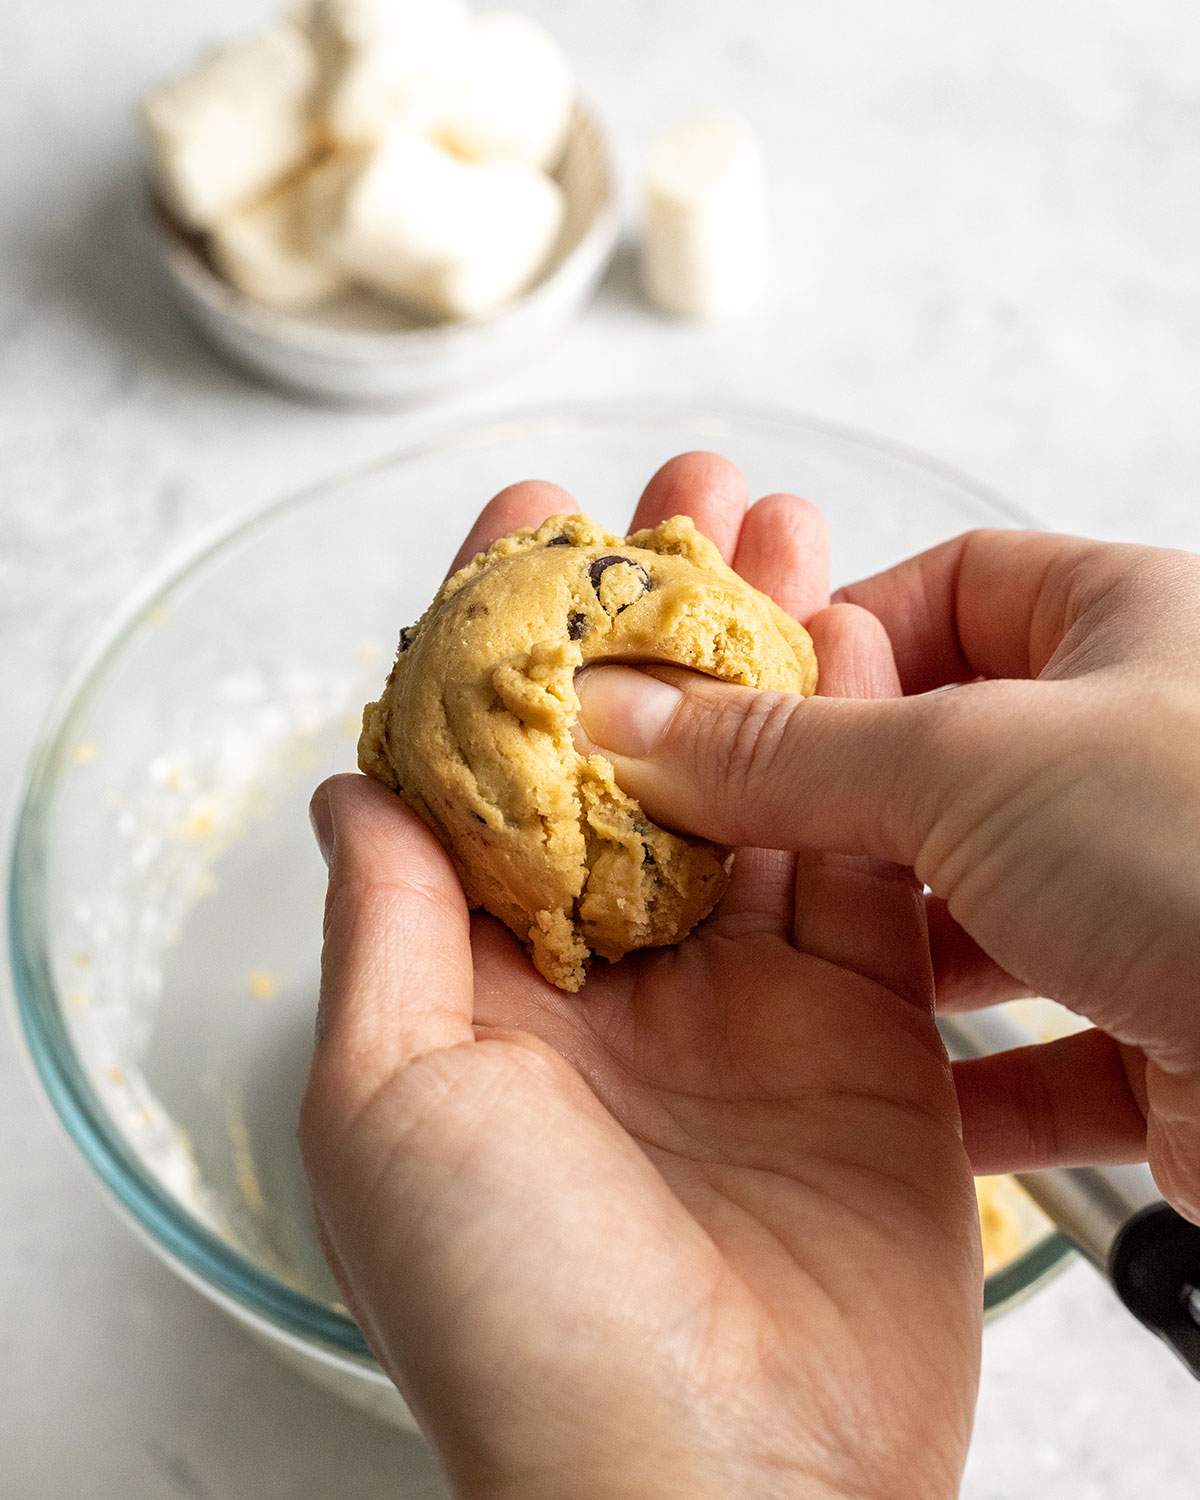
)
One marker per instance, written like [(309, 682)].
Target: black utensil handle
[(1155, 1266)]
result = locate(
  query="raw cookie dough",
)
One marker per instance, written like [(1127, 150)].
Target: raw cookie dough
[(474, 727)]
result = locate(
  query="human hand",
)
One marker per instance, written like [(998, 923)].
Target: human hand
[(1053, 808), (707, 1227)]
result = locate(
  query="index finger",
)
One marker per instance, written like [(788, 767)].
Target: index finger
[(704, 486), (528, 503), (987, 604)]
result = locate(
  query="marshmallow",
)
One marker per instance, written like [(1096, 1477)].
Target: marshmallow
[(230, 128), (448, 238), (512, 95), (264, 249), (385, 61), (704, 245)]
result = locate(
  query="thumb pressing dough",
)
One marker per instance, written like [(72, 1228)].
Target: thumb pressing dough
[(474, 728)]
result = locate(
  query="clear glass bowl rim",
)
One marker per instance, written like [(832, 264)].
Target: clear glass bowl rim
[(200, 1256)]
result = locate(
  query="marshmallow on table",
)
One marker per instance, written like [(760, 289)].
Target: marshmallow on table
[(512, 95), (232, 126), (704, 245), (446, 237), (264, 249), (384, 61)]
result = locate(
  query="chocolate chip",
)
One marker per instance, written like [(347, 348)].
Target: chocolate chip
[(647, 855), (407, 636), (597, 570), (559, 541), (576, 625)]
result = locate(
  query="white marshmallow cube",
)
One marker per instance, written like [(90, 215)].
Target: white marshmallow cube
[(234, 125), (385, 61), (512, 96), (446, 237), (264, 249), (704, 245)]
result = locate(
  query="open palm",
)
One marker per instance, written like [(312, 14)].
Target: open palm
[(708, 1226)]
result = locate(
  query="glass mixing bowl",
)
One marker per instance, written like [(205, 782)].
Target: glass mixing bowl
[(165, 896)]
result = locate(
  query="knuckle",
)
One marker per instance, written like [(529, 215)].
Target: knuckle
[(361, 905), (1172, 1154), (958, 773), (757, 753), (1038, 1109)]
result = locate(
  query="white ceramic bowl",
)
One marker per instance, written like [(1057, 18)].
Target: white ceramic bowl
[(359, 349)]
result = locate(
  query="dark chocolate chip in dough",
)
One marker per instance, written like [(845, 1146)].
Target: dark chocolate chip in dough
[(597, 569), (647, 855), (407, 635), (576, 625), (559, 541), (602, 564)]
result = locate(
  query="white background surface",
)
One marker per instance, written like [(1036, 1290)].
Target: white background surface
[(987, 244)]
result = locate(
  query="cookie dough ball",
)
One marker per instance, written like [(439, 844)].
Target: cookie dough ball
[(474, 728)]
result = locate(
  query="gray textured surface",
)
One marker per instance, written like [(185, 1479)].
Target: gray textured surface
[(987, 244)]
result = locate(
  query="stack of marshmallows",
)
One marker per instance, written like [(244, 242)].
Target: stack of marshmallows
[(404, 146)]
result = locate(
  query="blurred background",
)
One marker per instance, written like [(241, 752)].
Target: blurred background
[(985, 244)]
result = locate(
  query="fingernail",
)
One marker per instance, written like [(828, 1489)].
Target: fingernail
[(320, 815), (624, 710)]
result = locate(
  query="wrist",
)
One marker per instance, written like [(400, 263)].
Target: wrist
[(608, 1463)]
